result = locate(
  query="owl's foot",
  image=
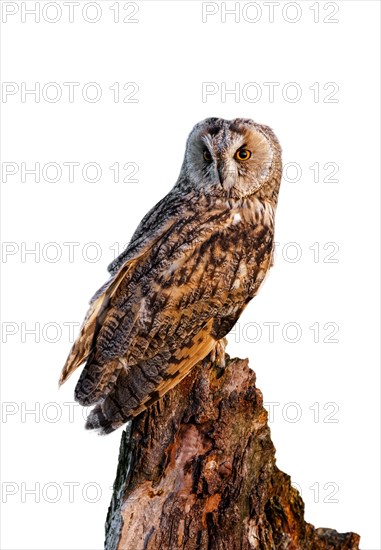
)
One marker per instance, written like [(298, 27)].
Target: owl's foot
[(217, 355)]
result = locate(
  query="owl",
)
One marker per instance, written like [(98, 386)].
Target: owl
[(193, 264)]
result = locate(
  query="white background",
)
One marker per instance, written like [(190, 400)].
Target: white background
[(169, 53)]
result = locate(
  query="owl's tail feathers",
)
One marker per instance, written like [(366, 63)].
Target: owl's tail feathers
[(116, 409), (97, 380), (99, 421), (135, 389)]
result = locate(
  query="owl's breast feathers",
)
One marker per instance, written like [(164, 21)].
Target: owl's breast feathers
[(178, 291)]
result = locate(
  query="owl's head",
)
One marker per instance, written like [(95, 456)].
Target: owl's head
[(233, 158)]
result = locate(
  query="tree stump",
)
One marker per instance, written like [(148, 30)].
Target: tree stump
[(197, 471)]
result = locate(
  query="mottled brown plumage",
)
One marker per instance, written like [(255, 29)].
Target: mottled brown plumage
[(195, 261)]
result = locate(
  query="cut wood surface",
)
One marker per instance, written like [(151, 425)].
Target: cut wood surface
[(197, 471)]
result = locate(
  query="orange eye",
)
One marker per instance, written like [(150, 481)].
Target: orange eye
[(242, 154), (207, 156)]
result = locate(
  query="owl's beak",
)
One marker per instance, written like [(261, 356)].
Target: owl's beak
[(220, 171), (226, 173)]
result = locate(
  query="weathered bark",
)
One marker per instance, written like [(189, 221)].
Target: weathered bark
[(197, 471)]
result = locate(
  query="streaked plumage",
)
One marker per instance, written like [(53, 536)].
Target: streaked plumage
[(195, 261)]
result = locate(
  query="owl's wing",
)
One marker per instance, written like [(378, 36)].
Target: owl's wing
[(152, 228), (156, 310)]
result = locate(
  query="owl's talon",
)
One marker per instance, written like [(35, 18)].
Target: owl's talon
[(217, 355)]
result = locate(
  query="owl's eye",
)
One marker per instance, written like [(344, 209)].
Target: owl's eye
[(207, 156), (242, 154)]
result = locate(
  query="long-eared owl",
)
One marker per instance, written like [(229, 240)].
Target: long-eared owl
[(193, 264)]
